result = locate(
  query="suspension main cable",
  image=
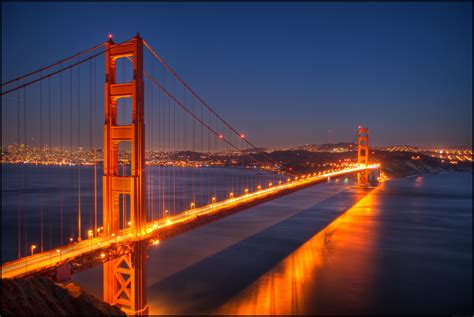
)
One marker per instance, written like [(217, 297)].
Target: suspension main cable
[(163, 62), (54, 64), (60, 70), (192, 114)]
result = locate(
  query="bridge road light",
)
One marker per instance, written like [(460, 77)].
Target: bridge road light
[(231, 195), (59, 252), (90, 234), (33, 247), (246, 191), (192, 205)]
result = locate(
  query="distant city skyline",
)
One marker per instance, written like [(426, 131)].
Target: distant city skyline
[(284, 74)]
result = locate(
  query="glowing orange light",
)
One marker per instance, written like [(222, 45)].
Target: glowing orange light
[(242, 136), (110, 36), (102, 255)]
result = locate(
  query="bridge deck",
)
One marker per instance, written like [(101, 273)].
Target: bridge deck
[(102, 249)]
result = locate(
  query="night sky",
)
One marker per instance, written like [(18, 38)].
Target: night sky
[(285, 73)]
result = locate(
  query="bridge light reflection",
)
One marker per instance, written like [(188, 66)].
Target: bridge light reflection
[(284, 289)]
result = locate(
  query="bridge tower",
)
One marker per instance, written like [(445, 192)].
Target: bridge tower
[(125, 277), (363, 154)]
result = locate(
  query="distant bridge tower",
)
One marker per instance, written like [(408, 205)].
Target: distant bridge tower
[(363, 155), (125, 277)]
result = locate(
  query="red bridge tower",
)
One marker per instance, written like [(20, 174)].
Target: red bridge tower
[(125, 277)]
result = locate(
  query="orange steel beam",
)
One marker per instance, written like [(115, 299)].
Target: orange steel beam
[(125, 277), (363, 155)]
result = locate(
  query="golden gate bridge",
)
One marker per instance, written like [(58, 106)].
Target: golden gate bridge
[(147, 184)]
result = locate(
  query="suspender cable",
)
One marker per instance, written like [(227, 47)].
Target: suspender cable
[(19, 176), (61, 208), (70, 154), (79, 233), (25, 176), (95, 148), (41, 159), (49, 164), (91, 220)]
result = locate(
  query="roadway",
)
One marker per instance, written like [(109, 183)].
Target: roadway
[(51, 258)]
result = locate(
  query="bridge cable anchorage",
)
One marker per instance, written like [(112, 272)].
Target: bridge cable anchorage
[(163, 62)]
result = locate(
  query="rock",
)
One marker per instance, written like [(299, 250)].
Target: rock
[(42, 296)]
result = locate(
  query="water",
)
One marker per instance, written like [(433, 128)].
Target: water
[(29, 189), (403, 248)]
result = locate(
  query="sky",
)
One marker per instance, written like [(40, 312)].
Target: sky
[(285, 73)]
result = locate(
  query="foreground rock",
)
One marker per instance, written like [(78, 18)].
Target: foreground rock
[(41, 296)]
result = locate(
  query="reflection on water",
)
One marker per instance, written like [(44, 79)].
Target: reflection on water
[(290, 287), (406, 248)]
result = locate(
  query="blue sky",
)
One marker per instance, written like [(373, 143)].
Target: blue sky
[(285, 73)]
